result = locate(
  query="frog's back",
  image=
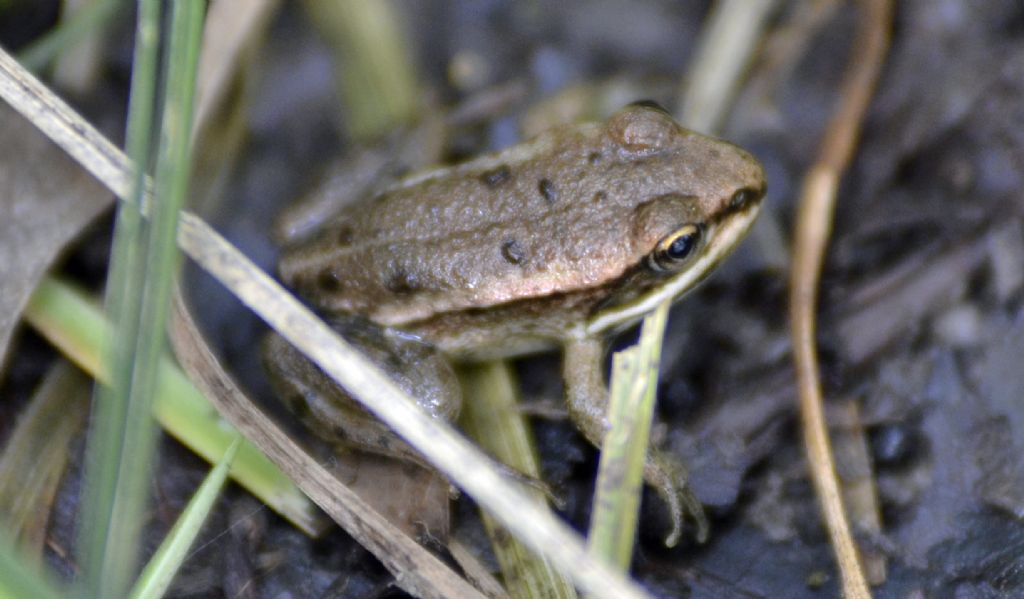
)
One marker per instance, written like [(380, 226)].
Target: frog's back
[(554, 215)]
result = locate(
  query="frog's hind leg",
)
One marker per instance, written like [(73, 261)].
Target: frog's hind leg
[(333, 415), (587, 400)]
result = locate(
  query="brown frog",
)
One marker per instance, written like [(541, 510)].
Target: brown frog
[(555, 242)]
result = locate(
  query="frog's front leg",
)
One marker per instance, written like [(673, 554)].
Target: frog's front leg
[(587, 399)]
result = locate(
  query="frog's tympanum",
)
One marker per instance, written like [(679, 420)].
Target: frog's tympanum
[(552, 243)]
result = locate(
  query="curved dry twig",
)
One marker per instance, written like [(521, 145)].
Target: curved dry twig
[(814, 225)]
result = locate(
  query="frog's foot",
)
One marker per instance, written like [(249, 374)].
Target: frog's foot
[(587, 400), (668, 477), (533, 483)]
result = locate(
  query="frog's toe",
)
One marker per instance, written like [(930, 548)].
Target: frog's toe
[(696, 511), (668, 477)]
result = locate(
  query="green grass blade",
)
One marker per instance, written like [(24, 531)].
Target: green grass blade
[(145, 263), (37, 55), (76, 326), (634, 383), (377, 75), (156, 577), (109, 489), (491, 415), (17, 580), (35, 457)]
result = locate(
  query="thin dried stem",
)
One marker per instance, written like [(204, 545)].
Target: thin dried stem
[(814, 224)]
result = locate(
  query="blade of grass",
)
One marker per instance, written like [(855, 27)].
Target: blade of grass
[(36, 455), (17, 580), (378, 81), (449, 451), (125, 441), (44, 49), (633, 387), (76, 326), (491, 415), (728, 39), (156, 577), (111, 435)]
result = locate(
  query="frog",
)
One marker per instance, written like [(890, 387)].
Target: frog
[(555, 243)]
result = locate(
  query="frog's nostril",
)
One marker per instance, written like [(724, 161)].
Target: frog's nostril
[(746, 196), (740, 199)]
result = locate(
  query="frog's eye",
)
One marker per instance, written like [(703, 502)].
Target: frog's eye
[(676, 248)]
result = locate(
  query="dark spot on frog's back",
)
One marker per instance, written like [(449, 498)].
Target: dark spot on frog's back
[(328, 281), (548, 190), (393, 361), (513, 252), (344, 236), (402, 282), (496, 176), (594, 157), (299, 404), (600, 196)]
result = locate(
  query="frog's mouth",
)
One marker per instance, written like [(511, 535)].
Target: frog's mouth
[(725, 236)]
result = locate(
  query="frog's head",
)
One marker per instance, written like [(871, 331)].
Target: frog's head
[(701, 195)]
